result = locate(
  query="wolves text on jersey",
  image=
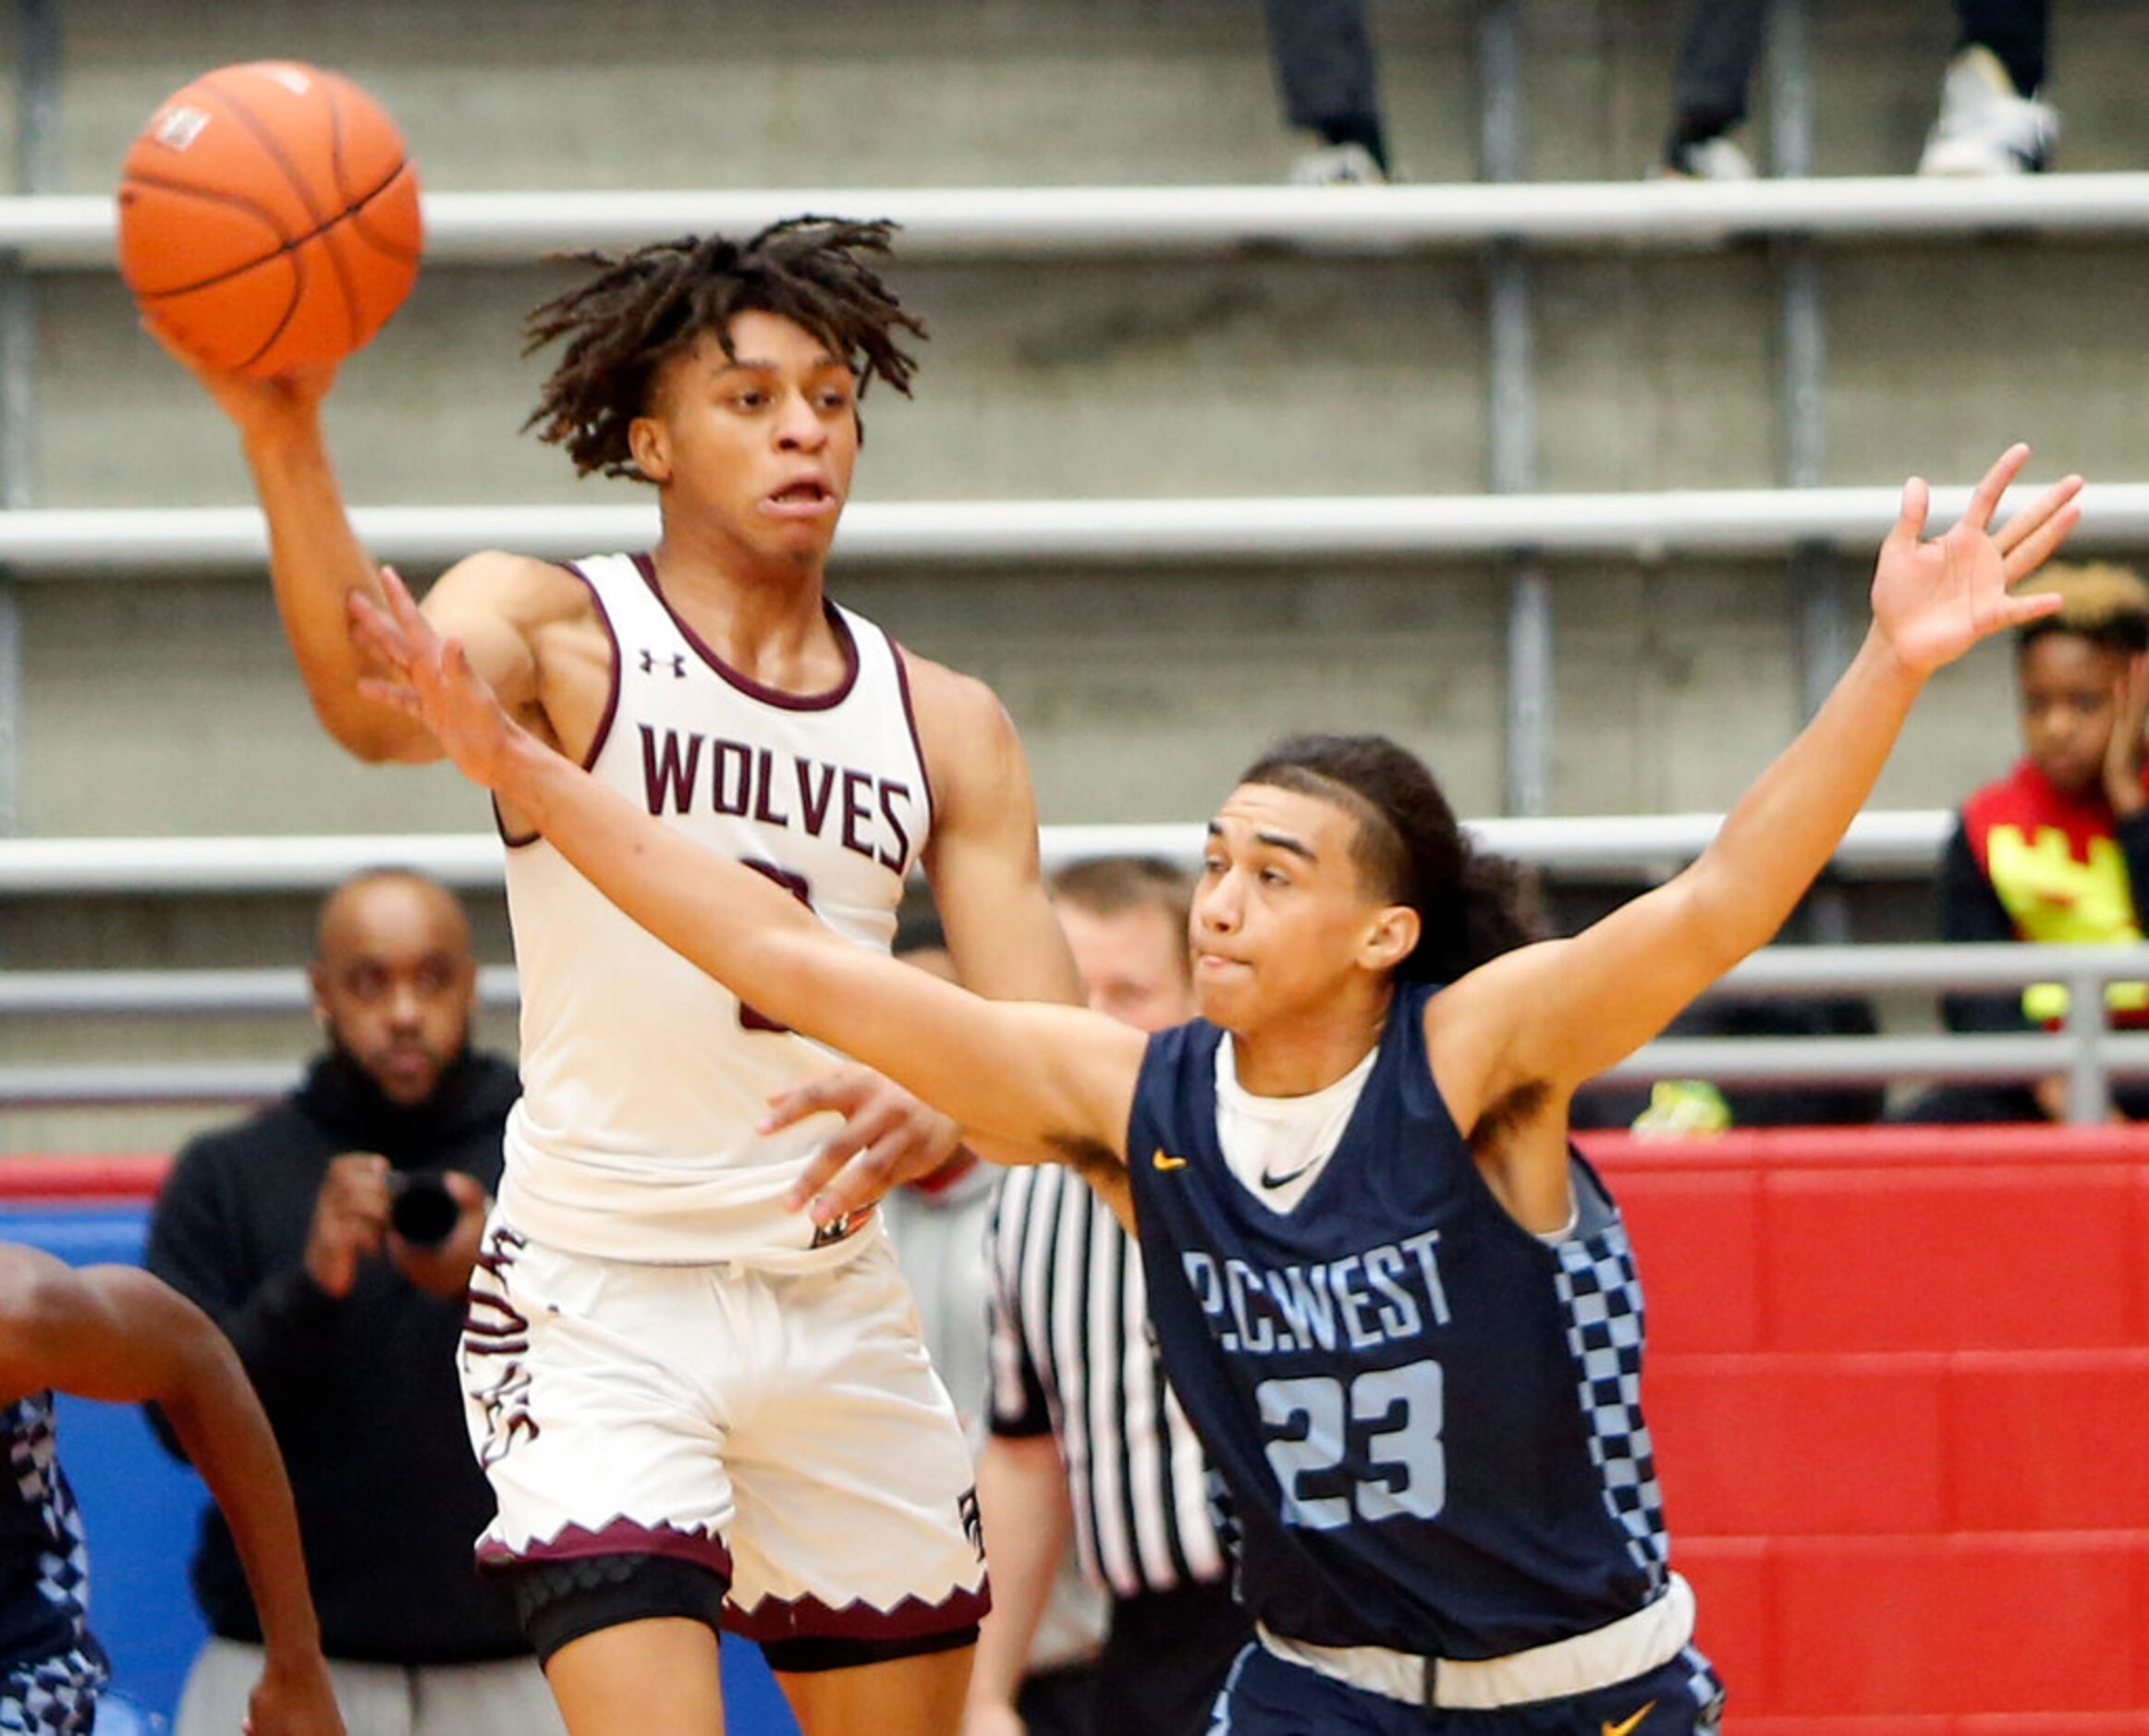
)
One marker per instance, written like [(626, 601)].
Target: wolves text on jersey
[(1384, 1295), (683, 771)]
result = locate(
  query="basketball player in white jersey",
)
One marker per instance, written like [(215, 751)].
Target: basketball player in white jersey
[(692, 1395)]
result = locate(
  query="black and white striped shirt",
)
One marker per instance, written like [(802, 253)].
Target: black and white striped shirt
[(1072, 1355)]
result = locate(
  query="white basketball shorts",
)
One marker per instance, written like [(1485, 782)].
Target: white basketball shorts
[(785, 1430)]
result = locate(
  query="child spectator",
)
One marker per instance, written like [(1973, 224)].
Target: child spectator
[(2059, 849)]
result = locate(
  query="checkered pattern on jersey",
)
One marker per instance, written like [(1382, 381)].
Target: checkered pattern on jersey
[(1602, 1295), (56, 1697), (1707, 1690), (63, 1567)]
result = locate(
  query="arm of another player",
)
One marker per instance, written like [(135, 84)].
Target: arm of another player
[(116, 1334), (1056, 1077), (316, 563), (1022, 1502), (1560, 1012), (982, 859)]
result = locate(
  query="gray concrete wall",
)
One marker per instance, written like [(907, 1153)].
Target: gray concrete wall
[(168, 706)]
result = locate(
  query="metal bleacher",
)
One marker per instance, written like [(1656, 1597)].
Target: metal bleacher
[(1508, 226)]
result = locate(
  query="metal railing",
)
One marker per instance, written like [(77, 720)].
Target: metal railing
[(1631, 847), (75, 232), (58, 543), (2085, 1051)]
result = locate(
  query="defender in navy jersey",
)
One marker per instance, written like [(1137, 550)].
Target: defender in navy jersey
[(1400, 1311), (116, 1334), (692, 1369)]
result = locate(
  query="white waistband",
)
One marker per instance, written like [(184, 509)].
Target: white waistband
[(1633, 1645)]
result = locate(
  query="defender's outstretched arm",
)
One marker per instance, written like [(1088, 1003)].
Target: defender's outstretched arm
[(1057, 1076), (1560, 1012)]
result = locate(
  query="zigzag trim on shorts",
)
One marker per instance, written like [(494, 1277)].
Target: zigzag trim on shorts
[(618, 1536), (810, 1619)]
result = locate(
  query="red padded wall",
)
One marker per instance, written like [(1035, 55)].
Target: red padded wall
[(1898, 1382)]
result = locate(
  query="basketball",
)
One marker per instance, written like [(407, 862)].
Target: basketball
[(268, 217)]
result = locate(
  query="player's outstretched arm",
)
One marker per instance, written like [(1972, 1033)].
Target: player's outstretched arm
[(989, 888), (1056, 1077), (316, 564), (115, 1333), (1560, 1012)]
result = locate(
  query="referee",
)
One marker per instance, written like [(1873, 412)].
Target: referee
[(1084, 1431)]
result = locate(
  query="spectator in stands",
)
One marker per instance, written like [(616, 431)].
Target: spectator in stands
[(1323, 55), (113, 1333), (938, 1227), (1082, 1421), (1992, 120), (2059, 849), (303, 1233)]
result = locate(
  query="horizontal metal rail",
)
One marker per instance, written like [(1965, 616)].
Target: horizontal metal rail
[(1644, 847), (2088, 1054), (1730, 1061), (50, 543), (107, 994), (133, 1084), (1787, 972), (75, 231)]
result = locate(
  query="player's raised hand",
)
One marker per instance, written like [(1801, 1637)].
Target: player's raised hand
[(431, 680), (256, 405), (1933, 600)]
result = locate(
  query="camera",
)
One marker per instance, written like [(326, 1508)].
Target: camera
[(421, 1209)]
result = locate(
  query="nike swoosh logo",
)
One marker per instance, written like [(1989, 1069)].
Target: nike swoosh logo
[(1626, 1725), (1159, 1161), (1268, 1180)]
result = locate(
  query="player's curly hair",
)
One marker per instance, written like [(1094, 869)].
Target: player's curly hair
[(1409, 847), (2102, 603), (642, 308)]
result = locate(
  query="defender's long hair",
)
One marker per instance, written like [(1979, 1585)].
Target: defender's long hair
[(1409, 848)]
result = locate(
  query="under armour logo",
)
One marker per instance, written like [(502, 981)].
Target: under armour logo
[(650, 659), (973, 1525)]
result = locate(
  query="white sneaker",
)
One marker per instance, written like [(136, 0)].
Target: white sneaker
[(1717, 159), (1336, 166), (1985, 128)]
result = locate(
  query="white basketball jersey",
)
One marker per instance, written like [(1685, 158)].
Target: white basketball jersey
[(643, 1078)]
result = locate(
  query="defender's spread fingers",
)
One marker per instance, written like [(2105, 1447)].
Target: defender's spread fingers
[(2039, 543), (1985, 498), (2037, 512)]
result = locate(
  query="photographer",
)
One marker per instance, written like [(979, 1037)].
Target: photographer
[(331, 1237)]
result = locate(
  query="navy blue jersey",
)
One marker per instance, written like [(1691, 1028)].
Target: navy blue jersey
[(44, 1574), (1428, 1419)]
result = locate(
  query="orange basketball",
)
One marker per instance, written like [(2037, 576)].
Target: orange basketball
[(268, 217)]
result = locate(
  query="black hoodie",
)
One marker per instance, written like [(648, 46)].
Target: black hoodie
[(361, 1392)]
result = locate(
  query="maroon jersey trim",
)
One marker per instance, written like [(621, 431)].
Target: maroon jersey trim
[(745, 684)]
